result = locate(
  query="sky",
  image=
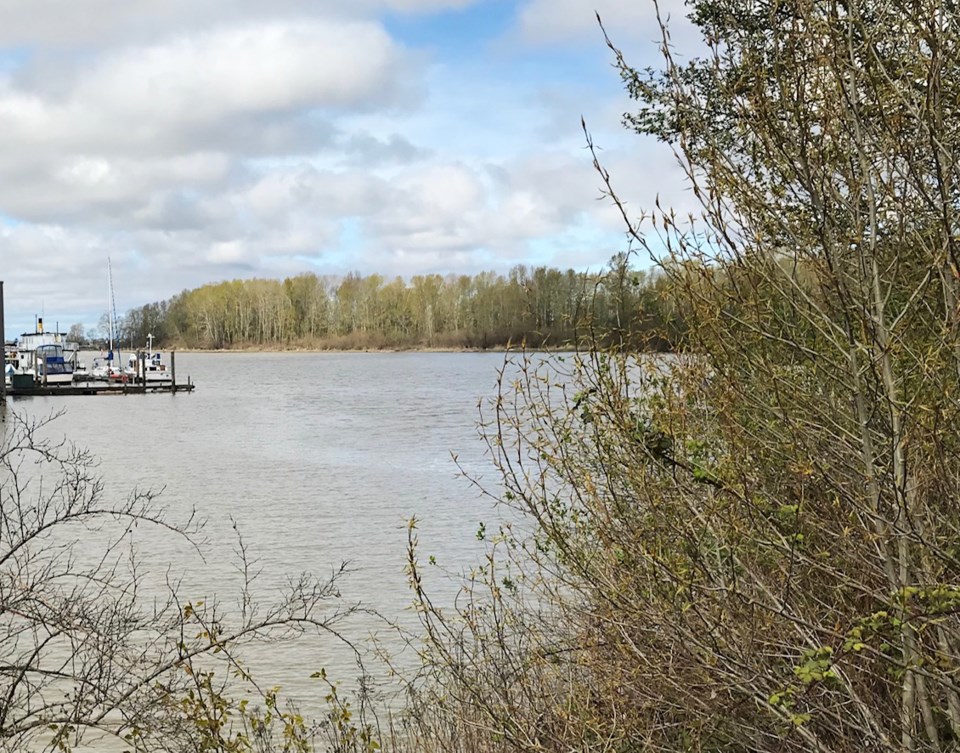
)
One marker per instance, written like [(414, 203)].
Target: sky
[(193, 142)]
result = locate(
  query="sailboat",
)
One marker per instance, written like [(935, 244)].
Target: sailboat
[(108, 367)]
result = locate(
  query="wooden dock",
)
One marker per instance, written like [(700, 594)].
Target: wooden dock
[(97, 388)]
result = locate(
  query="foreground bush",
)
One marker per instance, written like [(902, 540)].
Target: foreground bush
[(751, 546)]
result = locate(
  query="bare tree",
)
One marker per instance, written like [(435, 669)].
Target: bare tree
[(83, 653)]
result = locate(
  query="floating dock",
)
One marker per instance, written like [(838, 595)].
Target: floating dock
[(97, 388)]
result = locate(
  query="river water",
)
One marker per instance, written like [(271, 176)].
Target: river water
[(319, 458)]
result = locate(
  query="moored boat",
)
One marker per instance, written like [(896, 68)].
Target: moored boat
[(105, 368), (45, 356), (148, 366)]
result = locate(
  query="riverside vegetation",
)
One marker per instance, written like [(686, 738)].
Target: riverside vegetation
[(539, 306), (751, 545)]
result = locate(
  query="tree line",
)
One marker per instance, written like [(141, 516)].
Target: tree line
[(537, 306)]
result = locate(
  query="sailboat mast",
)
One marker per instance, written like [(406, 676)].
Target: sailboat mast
[(113, 310)]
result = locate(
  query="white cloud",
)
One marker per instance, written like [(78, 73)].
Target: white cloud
[(189, 113), (449, 191), (161, 97), (98, 191), (279, 66), (195, 142), (73, 23), (631, 25), (563, 20)]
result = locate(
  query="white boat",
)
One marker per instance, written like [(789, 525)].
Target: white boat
[(105, 368), (148, 366), (46, 356)]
